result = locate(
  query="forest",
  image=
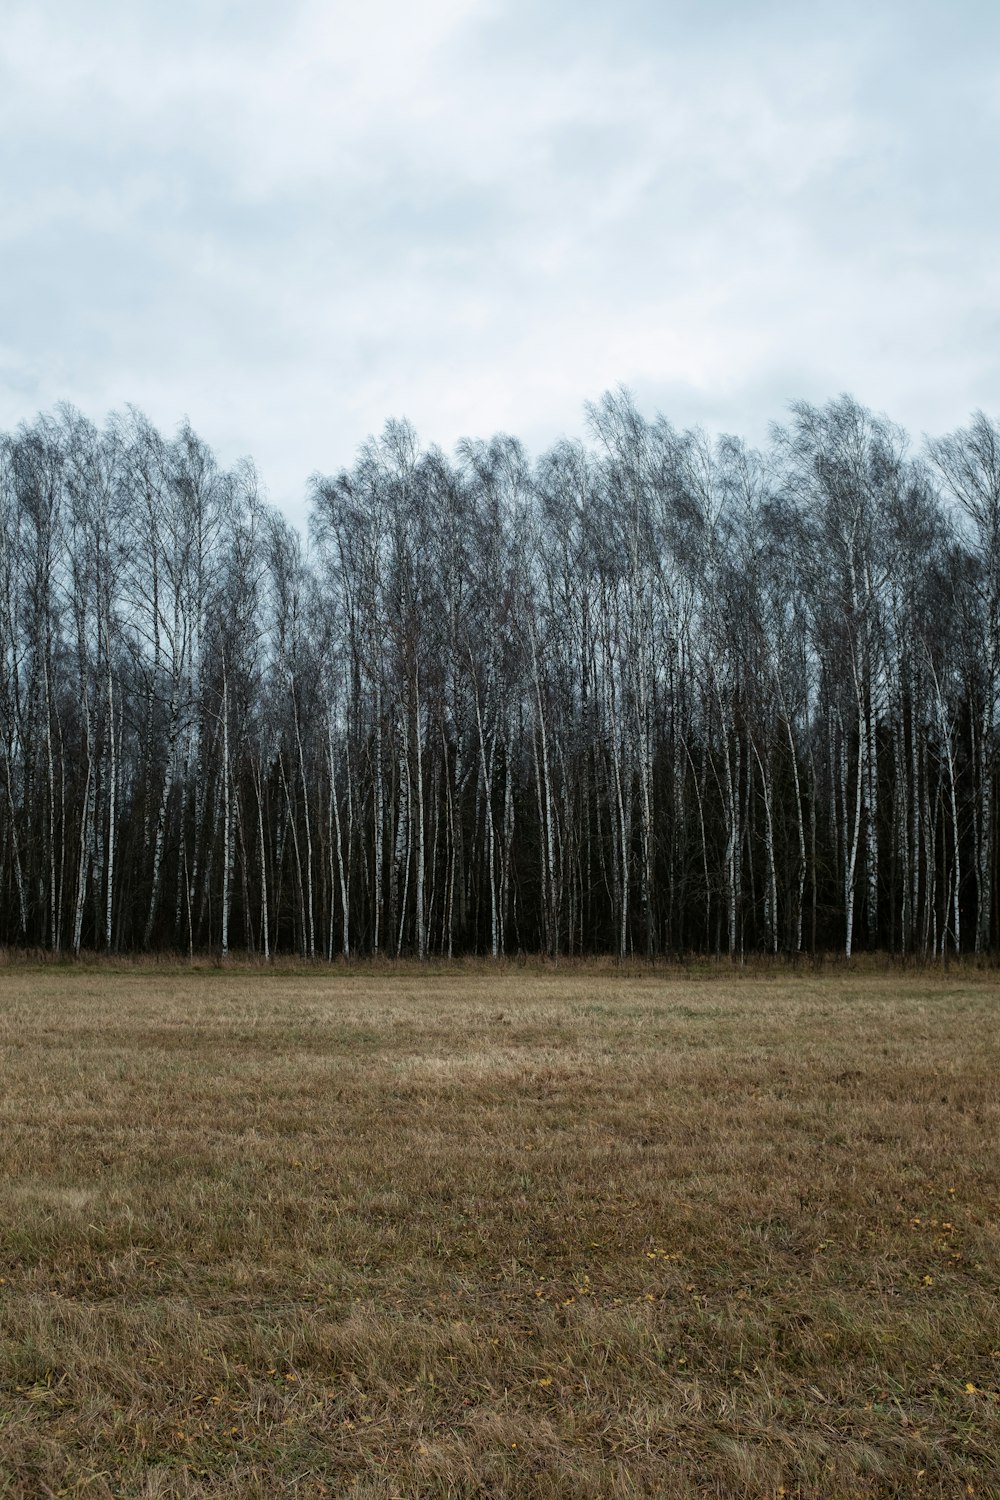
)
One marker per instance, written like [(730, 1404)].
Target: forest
[(653, 693)]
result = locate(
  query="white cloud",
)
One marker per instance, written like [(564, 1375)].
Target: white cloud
[(292, 222)]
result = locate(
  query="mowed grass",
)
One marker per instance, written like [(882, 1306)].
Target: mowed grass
[(549, 1234)]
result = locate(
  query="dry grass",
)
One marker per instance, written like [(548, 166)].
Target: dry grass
[(551, 1235)]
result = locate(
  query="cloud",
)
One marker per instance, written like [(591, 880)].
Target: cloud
[(291, 222)]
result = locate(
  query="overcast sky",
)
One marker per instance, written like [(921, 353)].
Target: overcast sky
[(291, 219)]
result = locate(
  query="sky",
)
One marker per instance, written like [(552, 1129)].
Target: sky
[(290, 221)]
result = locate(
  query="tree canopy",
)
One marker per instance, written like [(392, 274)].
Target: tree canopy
[(652, 693)]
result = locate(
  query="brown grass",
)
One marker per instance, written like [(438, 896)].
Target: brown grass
[(549, 1234)]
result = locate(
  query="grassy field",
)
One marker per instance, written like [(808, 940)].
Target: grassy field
[(536, 1234)]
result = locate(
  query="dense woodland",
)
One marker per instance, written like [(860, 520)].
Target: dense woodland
[(650, 694)]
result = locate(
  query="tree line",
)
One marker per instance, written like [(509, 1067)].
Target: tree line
[(650, 694)]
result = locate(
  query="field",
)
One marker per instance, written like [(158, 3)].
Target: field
[(537, 1233)]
